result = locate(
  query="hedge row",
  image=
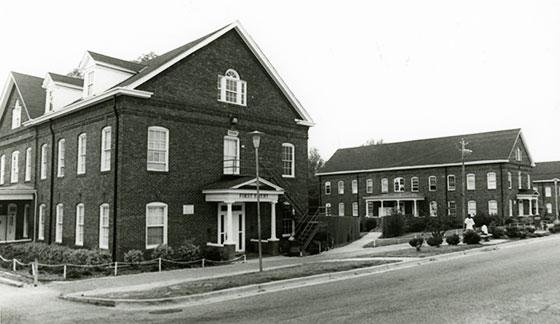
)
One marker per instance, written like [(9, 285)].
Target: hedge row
[(54, 254)]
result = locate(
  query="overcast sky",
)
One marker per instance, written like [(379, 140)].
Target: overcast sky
[(397, 70)]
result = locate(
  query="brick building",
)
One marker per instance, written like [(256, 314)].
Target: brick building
[(546, 178), (424, 177), (135, 155)]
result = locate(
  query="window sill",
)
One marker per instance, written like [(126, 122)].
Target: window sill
[(232, 103), (158, 171), (287, 176)]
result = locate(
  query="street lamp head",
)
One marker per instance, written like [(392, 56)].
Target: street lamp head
[(256, 138)]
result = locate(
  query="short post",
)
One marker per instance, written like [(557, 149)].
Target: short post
[(35, 268), (64, 272), (244, 258), (203, 260), (116, 267), (14, 265), (159, 264)]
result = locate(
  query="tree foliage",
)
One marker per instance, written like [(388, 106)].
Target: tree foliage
[(76, 73), (373, 141), (315, 162), (146, 57)]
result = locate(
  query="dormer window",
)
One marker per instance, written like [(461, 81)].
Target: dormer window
[(16, 115), (49, 101), (518, 155), (89, 85), (232, 89)]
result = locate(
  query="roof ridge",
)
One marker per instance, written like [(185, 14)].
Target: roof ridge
[(64, 75), (113, 57), (25, 74)]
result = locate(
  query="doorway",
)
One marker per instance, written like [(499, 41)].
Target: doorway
[(238, 213)]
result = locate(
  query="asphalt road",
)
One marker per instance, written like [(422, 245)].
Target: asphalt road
[(511, 285)]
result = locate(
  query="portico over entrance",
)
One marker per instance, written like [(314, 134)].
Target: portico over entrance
[(385, 204), (16, 213), (232, 197), (528, 202)]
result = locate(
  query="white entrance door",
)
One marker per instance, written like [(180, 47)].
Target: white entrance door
[(11, 231), (238, 213), (3, 227), (520, 206)]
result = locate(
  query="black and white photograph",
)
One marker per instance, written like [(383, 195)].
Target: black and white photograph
[(190, 161)]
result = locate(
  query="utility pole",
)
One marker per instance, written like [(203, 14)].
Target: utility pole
[(463, 188), (556, 198)]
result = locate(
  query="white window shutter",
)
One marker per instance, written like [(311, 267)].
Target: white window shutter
[(222, 87)]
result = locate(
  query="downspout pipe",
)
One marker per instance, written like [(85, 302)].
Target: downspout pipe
[(51, 191), (115, 177), (36, 211)]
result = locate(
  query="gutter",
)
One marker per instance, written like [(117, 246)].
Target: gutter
[(51, 191), (115, 177), (35, 180)]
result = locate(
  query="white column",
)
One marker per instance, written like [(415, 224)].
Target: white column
[(229, 224), (537, 206), (398, 206), (530, 207), (382, 213), (415, 209), (520, 207), (273, 222)]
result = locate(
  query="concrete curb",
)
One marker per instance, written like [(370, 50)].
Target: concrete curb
[(251, 290), (11, 282)]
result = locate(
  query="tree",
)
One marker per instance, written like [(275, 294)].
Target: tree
[(76, 73), (373, 141), (146, 57), (315, 162)]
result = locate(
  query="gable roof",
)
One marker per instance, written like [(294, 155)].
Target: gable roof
[(66, 79), (32, 93), (486, 148), (546, 171), (133, 66), (240, 182)]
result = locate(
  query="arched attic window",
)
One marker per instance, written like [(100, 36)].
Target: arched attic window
[(232, 89)]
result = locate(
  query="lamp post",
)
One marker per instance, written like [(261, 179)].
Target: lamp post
[(556, 198), (256, 143), (463, 194)]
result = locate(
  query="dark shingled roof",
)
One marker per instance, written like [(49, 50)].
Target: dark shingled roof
[(66, 79), (31, 88), (495, 145), (116, 61), (546, 170)]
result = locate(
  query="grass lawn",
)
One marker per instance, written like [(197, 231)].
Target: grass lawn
[(207, 285), (426, 251)]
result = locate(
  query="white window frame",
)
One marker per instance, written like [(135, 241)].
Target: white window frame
[(80, 211), (327, 188), (432, 181), (518, 154), (433, 208), (44, 161), (398, 184), (340, 185), (164, 225), (548, 191), (106, 143), (232, 162), (510, 181), (451, 208), (328, 211), (14, 175), (471, 181), (26, 221), (341, 209), (90, 77), (528, 181), (287, 161), (82, 154), (59, 223), (492, 207), (354, 186), (369, 208), (449, 186), (519, 180), (355, 208), (28, 161), (158, 166), (104, 215), (16, 115), (384, 185), (510, 212), (239, 95), (548, 208), (414, 184), (471, 205), (369, 186), (60, 165), (41, 222), (2, 168), (491, 180)]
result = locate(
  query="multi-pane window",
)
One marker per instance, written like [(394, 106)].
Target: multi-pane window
[(16, 115), (89, 85), (548, 208), (398, 184), (104, 226), (354, 209), (44, 161), (26, 221), (471, 207), (369, 208), (369, 185), (492, 207), (80, 224), (106, 149), (451, 183), (491, 180), (28, 162), (528, 181), (510, 207), (2, 168), (451, 208), (384, 185), (156, 224), (341, 187), (59, 223), (232, 89), (158, 149), (510, 181), (471, 181), (82, 149), (354, 186), (432, 183), (231, 155), (328, 211), (414, 184), (548, 191), (433, 208), (518, 155), (327, 188), (340, 209), (41, 221), (519, 177), (288, 160), (14, 176), (61, 154)]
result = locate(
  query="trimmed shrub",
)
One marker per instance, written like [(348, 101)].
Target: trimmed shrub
[(393, 225), (368, 224), (188, 251), (162, 251), (134, 256), (434, 241), (452, 239), (497, 232), (415, 224), (471, 237), (416, 242)]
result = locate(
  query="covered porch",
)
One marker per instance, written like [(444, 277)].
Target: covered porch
[(236, 206), (16, 214), (387, 204), (527, 202)]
